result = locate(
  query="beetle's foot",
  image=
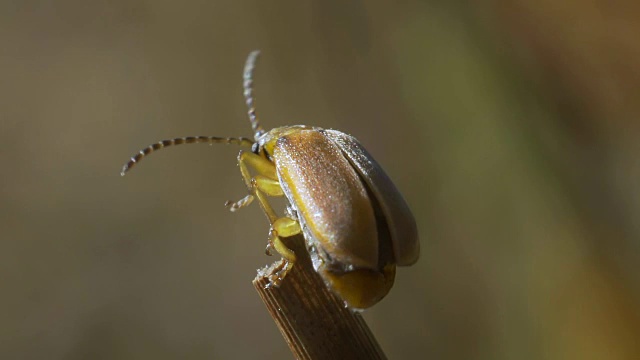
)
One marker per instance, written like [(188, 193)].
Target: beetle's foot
[(289, 227), (278, 274), (234, 206), (268, 250)]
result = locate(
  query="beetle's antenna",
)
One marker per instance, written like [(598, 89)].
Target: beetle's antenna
[(183, 140), (247, 84)]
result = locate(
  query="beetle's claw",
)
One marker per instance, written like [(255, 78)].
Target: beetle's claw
[(269, 248), (233, 206), (274, 281), (277, 275)]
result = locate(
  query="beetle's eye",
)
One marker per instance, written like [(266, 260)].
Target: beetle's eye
[(255, 148)]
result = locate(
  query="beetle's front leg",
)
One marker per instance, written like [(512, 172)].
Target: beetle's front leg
[(266, 170), (268, 186)]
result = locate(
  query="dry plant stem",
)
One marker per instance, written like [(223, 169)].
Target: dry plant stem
[(313, 321)]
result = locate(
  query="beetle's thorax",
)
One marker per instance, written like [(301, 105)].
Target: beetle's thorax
[(267, 141)]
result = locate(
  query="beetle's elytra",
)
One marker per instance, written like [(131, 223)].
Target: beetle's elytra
[(356, 225)]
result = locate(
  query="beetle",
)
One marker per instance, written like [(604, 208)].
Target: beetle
[(356, 224)]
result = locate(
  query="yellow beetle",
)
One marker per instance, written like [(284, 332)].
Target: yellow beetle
[(356, 225)]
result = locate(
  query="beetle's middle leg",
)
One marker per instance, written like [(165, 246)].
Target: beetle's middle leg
[(284, 227), (266, 184)]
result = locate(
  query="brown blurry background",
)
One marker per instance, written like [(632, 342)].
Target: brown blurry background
[(510, 127)]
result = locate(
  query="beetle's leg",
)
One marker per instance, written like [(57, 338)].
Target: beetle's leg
[(267, 185), (234, 206), (261, 164), (284, 227), (264, 167), (260, 186)]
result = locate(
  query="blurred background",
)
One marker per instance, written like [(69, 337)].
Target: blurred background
[(511, 127)]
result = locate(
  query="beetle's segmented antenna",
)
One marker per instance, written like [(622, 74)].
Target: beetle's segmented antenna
[(183, 140), (247, 84)]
